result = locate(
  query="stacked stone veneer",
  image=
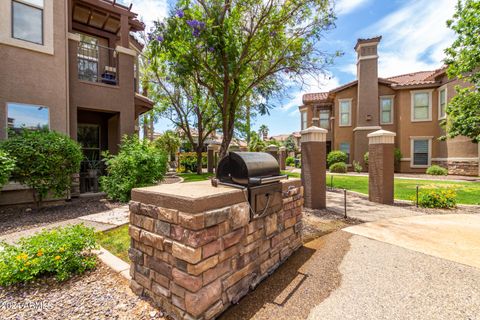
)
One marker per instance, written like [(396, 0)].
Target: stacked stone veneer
[(459, 167), (195, 264)]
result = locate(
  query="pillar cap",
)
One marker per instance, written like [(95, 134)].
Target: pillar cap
[(282, 148), (381, 137), (314, 134), (272, 147), (381, 133)]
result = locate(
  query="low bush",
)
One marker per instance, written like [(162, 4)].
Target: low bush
[(438, 198), (137, 164), (7, 165), (365, 158), (44, 161), (60, 252), (339, 167), (188, 161), (357, 167), (437, 170), (290, 161), (335, 157)]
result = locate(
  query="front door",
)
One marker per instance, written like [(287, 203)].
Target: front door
[(88, 135)]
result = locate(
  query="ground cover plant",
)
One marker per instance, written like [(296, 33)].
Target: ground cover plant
[(437, 171), (61, 252), (438, 198), (117, 241)]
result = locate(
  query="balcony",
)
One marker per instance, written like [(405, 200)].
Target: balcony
[(97, 63)]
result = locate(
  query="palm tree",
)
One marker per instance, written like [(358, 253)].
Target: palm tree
[(263, 131)]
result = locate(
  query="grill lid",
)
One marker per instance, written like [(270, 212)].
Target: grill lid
[(247, 168)]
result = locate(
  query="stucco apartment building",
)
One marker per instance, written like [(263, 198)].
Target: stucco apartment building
[(411, 105), (72, 66)]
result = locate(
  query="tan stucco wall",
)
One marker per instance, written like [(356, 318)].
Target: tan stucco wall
[(345, 134), (33, 77)]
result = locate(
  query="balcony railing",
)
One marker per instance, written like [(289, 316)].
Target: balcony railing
[(97, 63)]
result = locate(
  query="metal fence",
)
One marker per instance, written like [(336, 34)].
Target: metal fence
[(97, 63)]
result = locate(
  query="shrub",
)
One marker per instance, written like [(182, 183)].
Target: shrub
[(437, 171), (7, 165), (45, 161), (138, 164), (439, 198), (339, 167), (357, 167), (60, 252), (188, 161), (397, 157), (336, 156), (290, 161), (365, 158)]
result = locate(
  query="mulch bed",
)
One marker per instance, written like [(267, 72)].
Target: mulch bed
[(97, 294)]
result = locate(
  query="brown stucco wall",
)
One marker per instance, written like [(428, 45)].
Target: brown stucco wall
[(345, 134), (33, 77)]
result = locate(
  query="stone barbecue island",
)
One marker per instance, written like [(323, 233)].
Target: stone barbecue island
[(195, 249)]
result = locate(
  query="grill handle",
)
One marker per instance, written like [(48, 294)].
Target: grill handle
[(260, 181)]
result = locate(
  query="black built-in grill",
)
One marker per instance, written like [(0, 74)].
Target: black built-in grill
[(259, 173)]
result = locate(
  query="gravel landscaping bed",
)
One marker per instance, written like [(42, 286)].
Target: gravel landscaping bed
[(16, 218), (317, 223), (98, 294)]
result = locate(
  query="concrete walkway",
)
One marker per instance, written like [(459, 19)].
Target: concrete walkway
[(102, 221)]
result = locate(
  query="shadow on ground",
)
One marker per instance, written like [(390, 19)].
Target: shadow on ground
[(302, 282)]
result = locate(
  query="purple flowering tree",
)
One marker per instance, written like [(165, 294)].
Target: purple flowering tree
[(240, 52)]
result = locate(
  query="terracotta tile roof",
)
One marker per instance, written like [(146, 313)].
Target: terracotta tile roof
[(311, 97), (415, 78)]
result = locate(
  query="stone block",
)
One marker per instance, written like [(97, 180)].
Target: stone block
[(290, 222), (177, 290), (148, 210), (143, 222), (167, 215), (142, 270), (180, 264), (239, 215), (178, 302), (142, 280), (197, 303), (162, 228), (134, 207), (134, 232), (270, 224), (228, 253), (144, 248), (215, 217), (151, 239), (237, 276), (211, 248), (267, 265), (233, 237), (199, 238), (191, 221), (161, 279), (239, 289), (178, 233), (159, 266), (218, 271), (223, 228), (136, 287), (160, 290), (298, 227), (199, 268), (181, 251), (215, 310), (187, 281), (135, 256), (255, 225), (254, 236)]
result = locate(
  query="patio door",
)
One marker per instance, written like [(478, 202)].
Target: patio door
[(88, 135)]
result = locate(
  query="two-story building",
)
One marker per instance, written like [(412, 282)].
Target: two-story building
[(411, 105), (71, 66)]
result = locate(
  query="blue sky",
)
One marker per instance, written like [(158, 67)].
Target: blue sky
[(414, 36)]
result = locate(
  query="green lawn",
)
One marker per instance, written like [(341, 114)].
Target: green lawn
[(191, 177), (467, 192), (117, 241)]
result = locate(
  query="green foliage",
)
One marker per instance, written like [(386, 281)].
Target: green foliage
[(463, 59), (437, 171), (116, 241), (338, 167), (365, 158), (336, 156), (397, 156), (357, 167), (45, 161), (7, 164), (290, 161), (263, 131), (60, 252), (256, 143), (437, 198), (188, 161), (138, 164), (169, 142), (290, 144)]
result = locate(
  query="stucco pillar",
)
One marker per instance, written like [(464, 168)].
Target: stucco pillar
[(282, 154), (381, 166), (273, 150), (314, 166)]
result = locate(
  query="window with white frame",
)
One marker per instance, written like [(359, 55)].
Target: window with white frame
[(324, 121), (27, 20), (345, 147), (345, 112), (442, 103), (303, 116), (420, 152), (421, 105), (386, 110), (26, 116)]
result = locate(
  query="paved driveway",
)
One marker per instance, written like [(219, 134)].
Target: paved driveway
[(454, 237)]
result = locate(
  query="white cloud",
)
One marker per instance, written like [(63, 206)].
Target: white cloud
[(414, 37), (150, 10), (343, 7)]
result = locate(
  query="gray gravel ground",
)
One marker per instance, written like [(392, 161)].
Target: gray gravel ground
[(382, 281)]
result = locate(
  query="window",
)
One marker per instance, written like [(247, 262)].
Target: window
[(421, 105), (386, 110), (27, 116), (27, 20), (345, 112), (345, 147), (324, 121), (88, 58), (304, 119), (420, 152), (442, 103)]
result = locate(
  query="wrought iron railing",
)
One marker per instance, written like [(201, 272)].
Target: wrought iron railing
[(97, 63)]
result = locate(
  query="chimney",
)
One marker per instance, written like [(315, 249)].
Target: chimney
[(367, 76)]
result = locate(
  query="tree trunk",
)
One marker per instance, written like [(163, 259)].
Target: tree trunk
[(199, 159), (247, 121)]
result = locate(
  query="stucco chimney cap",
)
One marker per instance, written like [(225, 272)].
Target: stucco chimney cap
[(368, 40), (381, 133)]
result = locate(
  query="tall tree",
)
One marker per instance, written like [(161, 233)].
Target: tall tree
[(263, 132), (238, 49), (463, 60)]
